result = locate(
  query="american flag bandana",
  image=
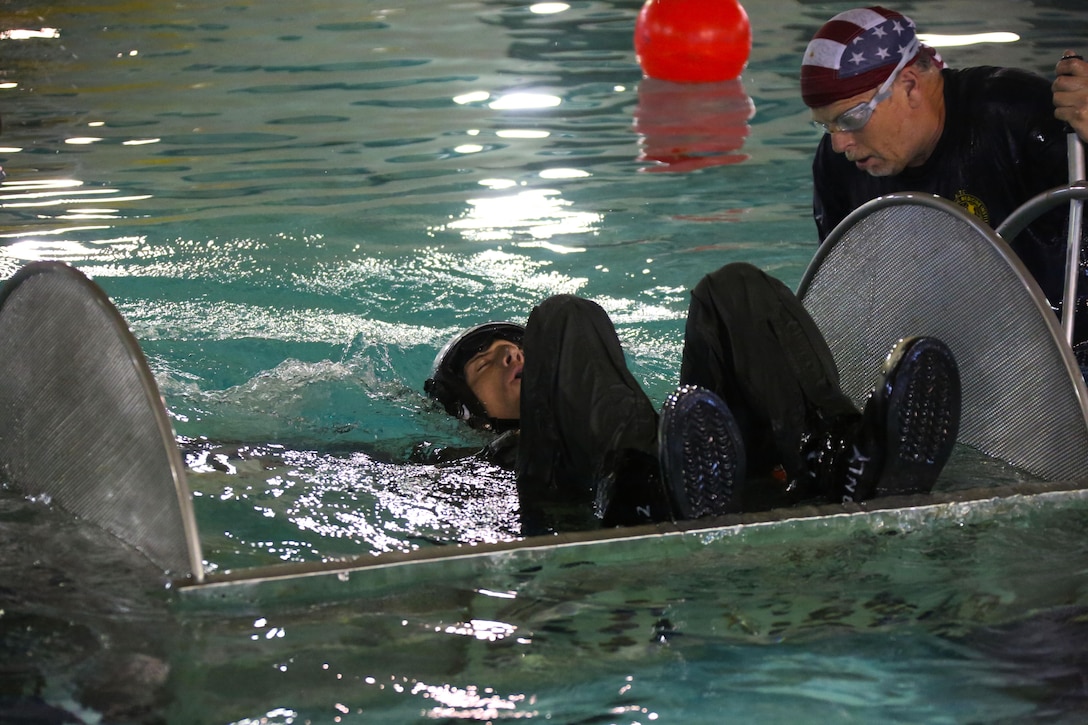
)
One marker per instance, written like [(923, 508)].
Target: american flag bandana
[(853, 52)]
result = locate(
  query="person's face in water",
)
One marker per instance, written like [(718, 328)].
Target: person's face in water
[(494, 375)]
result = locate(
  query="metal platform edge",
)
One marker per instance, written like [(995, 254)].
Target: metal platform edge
[(374, 576)]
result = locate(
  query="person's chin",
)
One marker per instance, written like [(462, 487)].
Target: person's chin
[(876, 167)]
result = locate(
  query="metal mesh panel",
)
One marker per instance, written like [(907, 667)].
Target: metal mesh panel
[(911, 264), (81, 418)]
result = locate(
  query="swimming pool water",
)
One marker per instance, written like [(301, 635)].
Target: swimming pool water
[(294, 205)]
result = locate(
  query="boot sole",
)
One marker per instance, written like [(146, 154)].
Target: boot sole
[(701, 453), (922, 416)]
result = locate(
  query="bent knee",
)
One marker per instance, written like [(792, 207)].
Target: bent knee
[(732, 275), (568, 306)]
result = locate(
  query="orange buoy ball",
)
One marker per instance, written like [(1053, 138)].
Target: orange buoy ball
[(693, 41)]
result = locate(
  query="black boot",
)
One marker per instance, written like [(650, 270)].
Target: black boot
[(702, 454), (905, 435)]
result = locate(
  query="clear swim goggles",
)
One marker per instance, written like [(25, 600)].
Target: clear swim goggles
[(854, 119)]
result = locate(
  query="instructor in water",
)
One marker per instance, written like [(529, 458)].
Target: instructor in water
[(896, 118)]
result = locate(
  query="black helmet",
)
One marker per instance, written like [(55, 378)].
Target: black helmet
[(447, 382)]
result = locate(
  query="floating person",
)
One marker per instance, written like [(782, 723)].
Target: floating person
[(759, 419), (897, 119)]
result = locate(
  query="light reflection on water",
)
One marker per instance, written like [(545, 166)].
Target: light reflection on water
[(293, 210), (538, 214), (274, 504)]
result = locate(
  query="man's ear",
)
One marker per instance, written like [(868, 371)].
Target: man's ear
[(910, 79)]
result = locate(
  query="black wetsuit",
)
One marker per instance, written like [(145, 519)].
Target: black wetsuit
[(587, 453), (1000, 146)]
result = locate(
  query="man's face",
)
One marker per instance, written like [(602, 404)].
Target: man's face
[(494, 375), (885, 145)]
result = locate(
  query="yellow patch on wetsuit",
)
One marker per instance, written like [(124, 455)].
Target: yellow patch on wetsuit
[(973, 204)]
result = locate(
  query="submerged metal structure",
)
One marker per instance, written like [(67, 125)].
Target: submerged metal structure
[(916, 264), (81, 418)]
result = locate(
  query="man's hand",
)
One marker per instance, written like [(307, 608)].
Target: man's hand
[(1071, 92)]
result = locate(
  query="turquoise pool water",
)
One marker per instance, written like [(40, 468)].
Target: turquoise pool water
[(294, 205)]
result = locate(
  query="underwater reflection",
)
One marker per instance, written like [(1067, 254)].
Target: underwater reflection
[(687, 126)]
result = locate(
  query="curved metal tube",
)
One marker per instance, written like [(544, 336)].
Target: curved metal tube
[(1038, 205)]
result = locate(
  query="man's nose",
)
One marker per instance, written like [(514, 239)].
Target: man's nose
[(841, 140)]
